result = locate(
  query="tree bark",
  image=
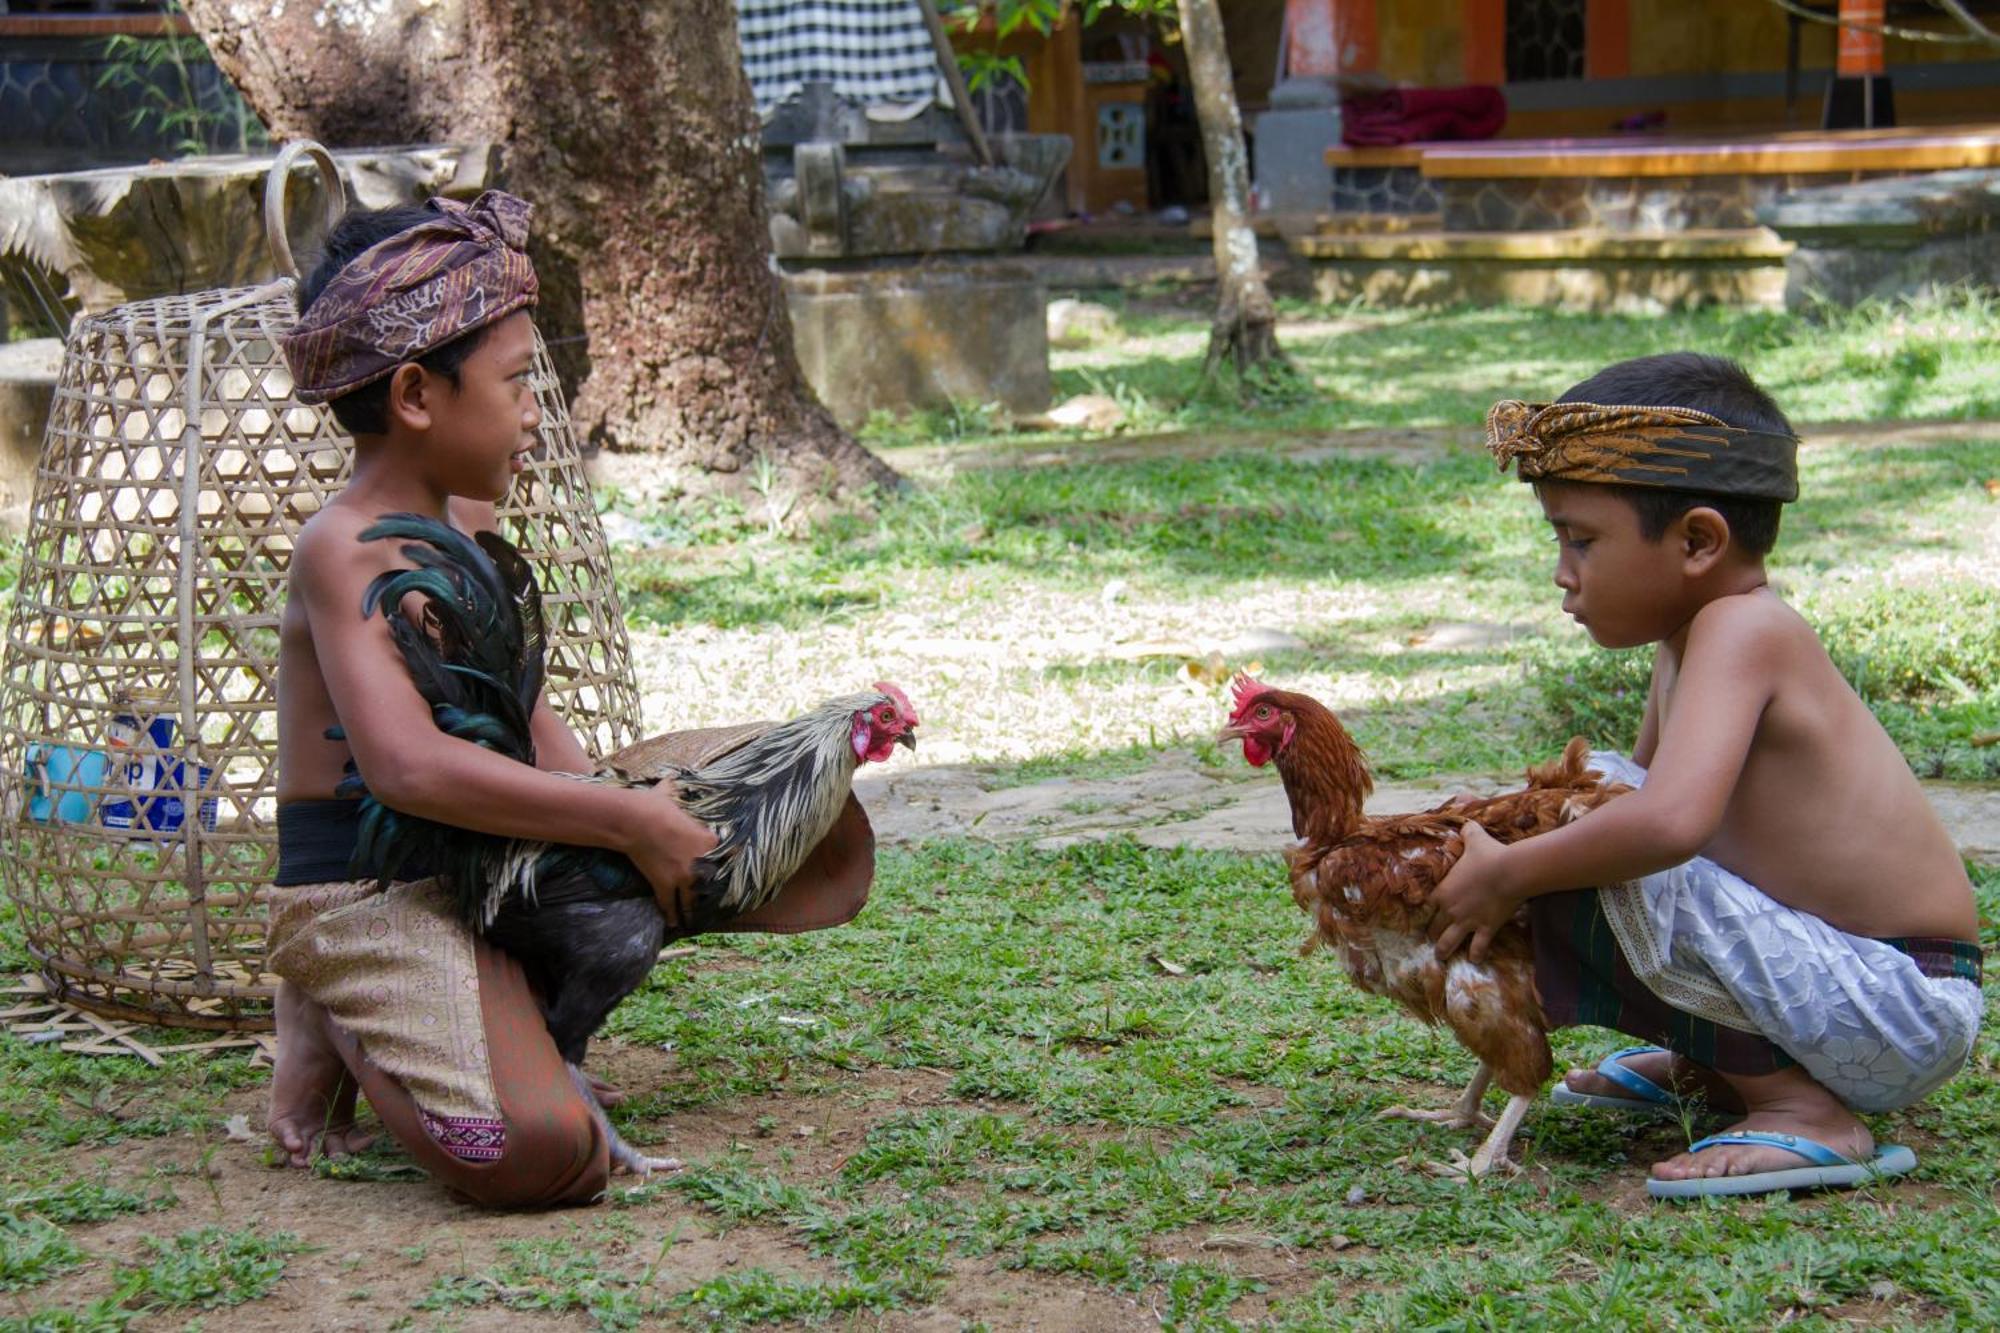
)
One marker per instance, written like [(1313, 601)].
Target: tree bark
[(1245, 327), (630, 128)]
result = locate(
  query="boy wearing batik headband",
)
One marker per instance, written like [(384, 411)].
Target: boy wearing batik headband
[(415, 328), (1791, 924)]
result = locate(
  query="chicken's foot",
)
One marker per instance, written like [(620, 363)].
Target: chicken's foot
[(624, 1157), (1493, 1152), (1462, 1114)]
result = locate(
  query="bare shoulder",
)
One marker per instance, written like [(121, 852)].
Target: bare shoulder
[(331, 561), (1750, 627)]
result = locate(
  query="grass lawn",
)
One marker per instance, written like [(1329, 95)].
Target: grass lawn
[(1098, 1087)]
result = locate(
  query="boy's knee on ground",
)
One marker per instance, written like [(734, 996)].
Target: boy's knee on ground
[(561, 1157)]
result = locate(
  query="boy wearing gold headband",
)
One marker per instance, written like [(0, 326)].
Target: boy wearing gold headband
[(1791, 923), (415, 328)]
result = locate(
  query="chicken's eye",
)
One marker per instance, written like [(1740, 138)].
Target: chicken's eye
[(1263, 710)]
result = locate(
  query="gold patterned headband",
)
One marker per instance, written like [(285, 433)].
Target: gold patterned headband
[(1676, 448)]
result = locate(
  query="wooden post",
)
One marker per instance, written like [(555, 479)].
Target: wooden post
[(1486, 41), (1859, 95)]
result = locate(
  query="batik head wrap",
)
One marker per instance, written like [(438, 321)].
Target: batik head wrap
[(1673, 447), (411, 292)]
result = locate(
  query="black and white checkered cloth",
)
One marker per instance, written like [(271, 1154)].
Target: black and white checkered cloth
[(877, 52)]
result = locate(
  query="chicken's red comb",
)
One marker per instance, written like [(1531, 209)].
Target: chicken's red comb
[(903, 704), (1246, 688)]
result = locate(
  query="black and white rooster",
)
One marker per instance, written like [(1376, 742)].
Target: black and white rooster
[(582, 921)]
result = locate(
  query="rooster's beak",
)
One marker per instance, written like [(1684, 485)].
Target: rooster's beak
[(1232, 732), (909, 740)]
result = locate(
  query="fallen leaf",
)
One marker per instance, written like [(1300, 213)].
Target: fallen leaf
[(1167, 965), (237, 1129), (1206, 671)]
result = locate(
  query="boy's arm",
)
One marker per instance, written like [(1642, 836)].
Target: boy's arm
[(557, 748), (1649, 725), (1728, 675), (411, 766)]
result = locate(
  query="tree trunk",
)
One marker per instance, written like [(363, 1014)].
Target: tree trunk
[(1245, 327), (631, 130)]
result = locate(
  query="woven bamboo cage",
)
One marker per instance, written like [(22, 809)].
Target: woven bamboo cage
[(138, 697)]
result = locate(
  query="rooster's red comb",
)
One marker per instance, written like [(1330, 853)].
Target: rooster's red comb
[(903, 704), (1246, 688)]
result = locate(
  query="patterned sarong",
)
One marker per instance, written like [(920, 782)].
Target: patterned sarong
[(396, 969), (1701, 962)]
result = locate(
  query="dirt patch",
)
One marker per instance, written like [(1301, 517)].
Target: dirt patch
[(1177, 801), (378, 1248)]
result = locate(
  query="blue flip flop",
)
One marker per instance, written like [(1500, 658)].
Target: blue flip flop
[(1648, 1097), (1829, 1170)]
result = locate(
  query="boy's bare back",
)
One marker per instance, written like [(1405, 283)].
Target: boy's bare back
[(1825, 815)]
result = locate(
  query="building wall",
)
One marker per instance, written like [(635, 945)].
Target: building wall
[(1708, 64), (1422, 42)]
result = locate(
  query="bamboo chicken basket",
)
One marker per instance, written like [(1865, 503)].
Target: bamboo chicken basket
[(138, 696)]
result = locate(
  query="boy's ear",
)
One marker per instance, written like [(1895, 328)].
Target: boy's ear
[(1704, 539), (409, 401)]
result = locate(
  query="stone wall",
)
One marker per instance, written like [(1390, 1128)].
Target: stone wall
[(1617, 203), (927, 335), (1383, 190), (1560, 270), (68, 103), (1890, 238)]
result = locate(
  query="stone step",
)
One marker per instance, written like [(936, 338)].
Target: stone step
[(1754, 244), (1577, 269), (1376, 224)]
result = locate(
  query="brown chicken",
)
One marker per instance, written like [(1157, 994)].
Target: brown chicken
[(1366, 883)]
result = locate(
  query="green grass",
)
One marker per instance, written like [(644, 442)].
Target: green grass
[(1200, 1142), (1377, 549), (1105, 1118), (1884, 360), (1398, 545)]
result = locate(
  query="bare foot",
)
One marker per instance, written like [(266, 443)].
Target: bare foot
[(1787, 1102), (312, 1095), (1667, 1070)]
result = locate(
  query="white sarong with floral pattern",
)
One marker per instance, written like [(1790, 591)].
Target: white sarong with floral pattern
[(1855, 1012)]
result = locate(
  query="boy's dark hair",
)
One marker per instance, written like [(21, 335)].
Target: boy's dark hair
[(366, 410), (1710, 384)]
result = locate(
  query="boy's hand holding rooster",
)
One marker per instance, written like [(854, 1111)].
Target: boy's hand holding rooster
[(670, 841), (1474, 902)]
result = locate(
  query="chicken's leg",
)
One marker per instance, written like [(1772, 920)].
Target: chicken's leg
[(1491, 1153), (624, 1157), (1462, 1114)]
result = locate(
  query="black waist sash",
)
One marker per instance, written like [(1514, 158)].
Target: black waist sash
[(316, 841)]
